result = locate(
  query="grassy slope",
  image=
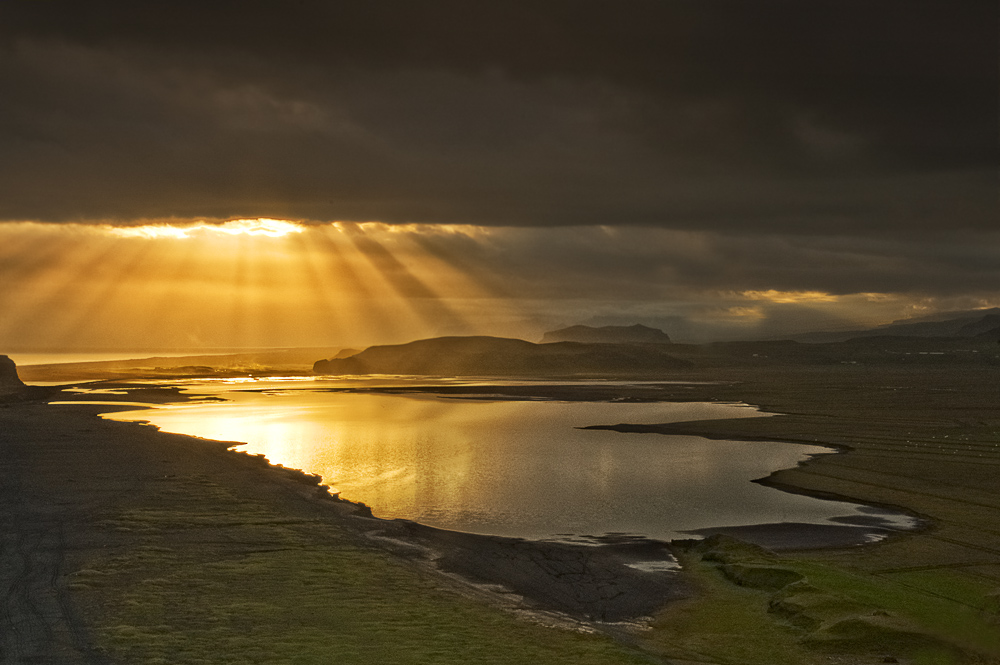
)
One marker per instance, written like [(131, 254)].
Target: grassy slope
[(166, 549), (924, 438), (303, 594)]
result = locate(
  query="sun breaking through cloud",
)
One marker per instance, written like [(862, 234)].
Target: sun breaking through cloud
[(269, 282), (771, 295), (272, 228)]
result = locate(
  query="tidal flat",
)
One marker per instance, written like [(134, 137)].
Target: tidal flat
[(151, 547)]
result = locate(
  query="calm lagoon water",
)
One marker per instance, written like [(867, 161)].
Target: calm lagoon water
[(503, 467)]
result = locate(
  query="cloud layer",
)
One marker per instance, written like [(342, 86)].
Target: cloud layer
[(719, 169), (773, 116)]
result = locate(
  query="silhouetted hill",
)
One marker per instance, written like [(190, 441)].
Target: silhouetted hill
[(637, 334), (498, 356), (964, 324)]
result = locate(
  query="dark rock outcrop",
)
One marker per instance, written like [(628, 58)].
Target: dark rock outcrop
[(637, 334), (10, 383)]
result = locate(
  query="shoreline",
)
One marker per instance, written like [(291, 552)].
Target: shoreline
[(584, 582), (85, 486), (547, 574), (783, 536)]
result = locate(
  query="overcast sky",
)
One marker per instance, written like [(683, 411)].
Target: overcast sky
[(845, 146)]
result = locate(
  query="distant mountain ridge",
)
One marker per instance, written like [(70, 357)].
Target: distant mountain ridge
[(965, 324), (500, 356), (635, 334), (984, 326)]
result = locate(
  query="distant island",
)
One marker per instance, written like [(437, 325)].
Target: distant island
[(499, 356), (636, 334)]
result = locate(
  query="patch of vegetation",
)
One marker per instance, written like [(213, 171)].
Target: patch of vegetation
[(296, 599), (746, 615), (917, 608), (726, 623)]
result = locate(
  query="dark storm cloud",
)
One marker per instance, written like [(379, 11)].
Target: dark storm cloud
[(813, 117), (646, 264), (699, 285)]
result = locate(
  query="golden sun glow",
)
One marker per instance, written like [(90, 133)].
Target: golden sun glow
[(237, 283), (265, 282), (774, 296), (272, 228), (746, 313)]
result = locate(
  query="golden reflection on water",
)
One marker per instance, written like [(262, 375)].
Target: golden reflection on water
[(510, 467)]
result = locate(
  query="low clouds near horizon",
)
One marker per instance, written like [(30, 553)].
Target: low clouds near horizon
[(270, 283)]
